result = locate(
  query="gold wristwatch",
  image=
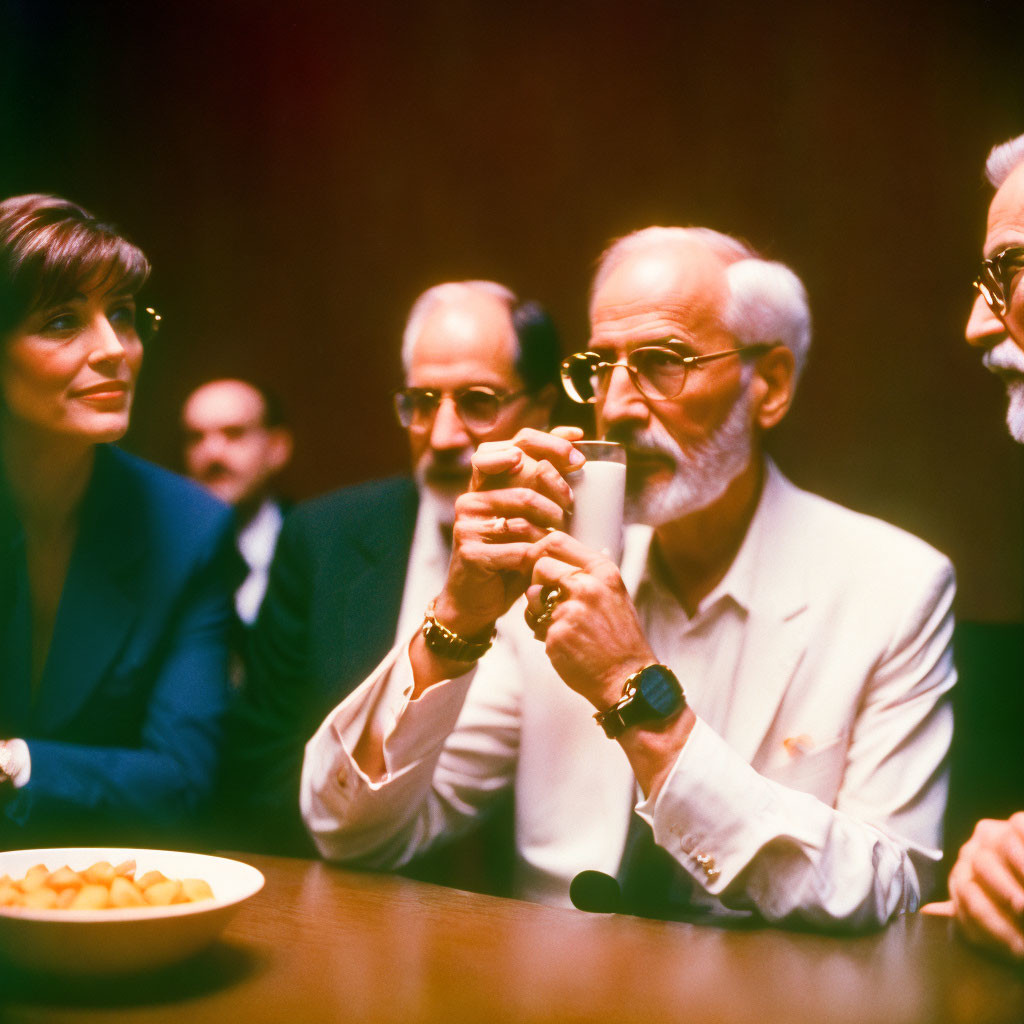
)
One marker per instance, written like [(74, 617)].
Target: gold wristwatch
[(447, 644)]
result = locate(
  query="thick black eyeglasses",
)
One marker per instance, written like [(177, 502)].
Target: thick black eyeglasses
[(659, 372), (996, 277), (477, 406)]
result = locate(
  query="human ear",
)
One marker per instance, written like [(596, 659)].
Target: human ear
[(280, 451), (773, 386)]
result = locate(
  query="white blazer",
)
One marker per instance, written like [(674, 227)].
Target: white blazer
[(820, 797)]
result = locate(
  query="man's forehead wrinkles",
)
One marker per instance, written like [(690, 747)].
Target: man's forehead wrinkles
[(638, 322), (1005, 223), (680, 321), (440, 377), (681, 302)]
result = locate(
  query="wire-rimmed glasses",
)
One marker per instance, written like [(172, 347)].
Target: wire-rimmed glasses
[(995, 280), (658, 371), (477, 406)]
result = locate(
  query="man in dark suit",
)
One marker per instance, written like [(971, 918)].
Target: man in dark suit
[(356, 567), (236, 442)]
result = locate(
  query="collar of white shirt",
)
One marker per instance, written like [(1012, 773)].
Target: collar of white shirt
[(257, 539), (739, 583), (428, 564)]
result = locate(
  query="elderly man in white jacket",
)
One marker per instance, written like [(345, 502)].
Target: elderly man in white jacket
[(986, 884), (770, 673)]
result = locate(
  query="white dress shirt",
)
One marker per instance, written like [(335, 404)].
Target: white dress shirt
[(429, 555), (812, 786), (256, 543)]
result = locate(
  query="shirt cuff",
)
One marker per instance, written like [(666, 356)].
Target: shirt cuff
[(20, 766), (715, 812), (411, 729)]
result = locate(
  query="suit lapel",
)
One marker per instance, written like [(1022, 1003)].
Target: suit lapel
[(100, 600), (776, 636), (373, 587), (772, 650)]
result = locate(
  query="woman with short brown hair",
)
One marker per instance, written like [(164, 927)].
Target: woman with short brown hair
[(115, 575)]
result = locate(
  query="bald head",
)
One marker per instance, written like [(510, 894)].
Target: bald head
[(464, 320), (474, 334), (230, 447), (677, 278), (753, 299)]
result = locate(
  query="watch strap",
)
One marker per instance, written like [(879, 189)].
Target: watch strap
[(448, 644)]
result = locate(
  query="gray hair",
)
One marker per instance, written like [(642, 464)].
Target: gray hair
[(432, 297), (767, 302), (1003, 160)]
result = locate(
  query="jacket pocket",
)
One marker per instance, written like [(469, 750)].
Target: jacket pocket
[(818, 770)]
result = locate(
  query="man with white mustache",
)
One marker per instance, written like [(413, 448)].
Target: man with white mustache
[(769, 672), (700, 476), (986, 884), (1006, 360)]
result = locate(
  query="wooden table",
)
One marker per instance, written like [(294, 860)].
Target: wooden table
[(323, 944)]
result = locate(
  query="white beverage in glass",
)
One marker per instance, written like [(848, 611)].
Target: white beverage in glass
[(599, 492)]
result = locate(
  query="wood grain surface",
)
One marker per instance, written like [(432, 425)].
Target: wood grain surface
[(323, 944)]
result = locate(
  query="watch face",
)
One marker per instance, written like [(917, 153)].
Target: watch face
[(660, 690), (652, 694)]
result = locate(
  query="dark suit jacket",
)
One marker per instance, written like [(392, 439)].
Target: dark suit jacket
[(124, 730), (328, 618)]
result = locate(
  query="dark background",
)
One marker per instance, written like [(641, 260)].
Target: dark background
[(299, 172)]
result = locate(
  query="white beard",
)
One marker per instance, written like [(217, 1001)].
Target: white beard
[(1015, 410), (1008, 358), (702, 472)]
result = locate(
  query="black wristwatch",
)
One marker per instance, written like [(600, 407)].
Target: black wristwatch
[(651, 695)]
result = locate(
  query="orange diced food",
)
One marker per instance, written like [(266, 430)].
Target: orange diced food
[(101, 873), (91, 897), (150, 878), (98, 887), (162, 894), (125, 893), (196, 889), (41, 898), (65, 878)]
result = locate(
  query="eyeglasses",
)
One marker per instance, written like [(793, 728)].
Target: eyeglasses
[(996, 277), (477, 406), (124, 317), (659, 372), (147, 323)]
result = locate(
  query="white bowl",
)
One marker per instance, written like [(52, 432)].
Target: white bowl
[(124, 939)]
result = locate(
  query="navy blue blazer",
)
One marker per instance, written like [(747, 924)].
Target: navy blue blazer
[(329, 616), (125, 728)]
